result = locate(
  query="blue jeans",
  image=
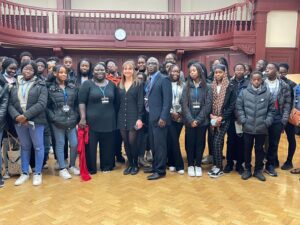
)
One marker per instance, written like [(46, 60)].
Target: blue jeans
[(28, 136), (59, 135), (1, 134)]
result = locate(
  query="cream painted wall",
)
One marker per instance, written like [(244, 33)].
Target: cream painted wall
[(128, 5), (281, 29), (37, 3), (205, 5)]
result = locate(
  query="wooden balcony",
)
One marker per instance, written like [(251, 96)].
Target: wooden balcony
[(42, 27)]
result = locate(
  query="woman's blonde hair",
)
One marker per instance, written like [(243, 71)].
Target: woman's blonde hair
[(135, 81)]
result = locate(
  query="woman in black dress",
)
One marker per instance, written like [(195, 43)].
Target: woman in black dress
[(98, 105), (130, 114)]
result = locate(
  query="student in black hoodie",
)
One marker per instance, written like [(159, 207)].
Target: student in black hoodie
[(68, 63)]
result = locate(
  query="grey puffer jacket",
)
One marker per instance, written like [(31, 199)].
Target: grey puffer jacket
[(255, 110)]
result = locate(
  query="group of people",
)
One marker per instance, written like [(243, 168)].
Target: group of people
[(43, 103)]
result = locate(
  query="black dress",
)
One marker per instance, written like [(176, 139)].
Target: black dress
[(100, 117), (131, 107)]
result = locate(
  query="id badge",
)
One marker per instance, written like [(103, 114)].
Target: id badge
[(105, 100), (66, 108), (196, 105)]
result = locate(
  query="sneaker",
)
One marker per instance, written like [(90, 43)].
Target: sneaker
[(191, 171), (287, 165), (37, 179), (212, 170), (207, 160), (198, 171), (75, 171), (6, 175), (22, 179), (172, 169), (181, 172), (217, 173), (64, 173), (228, 168), (271, 171), (246, 174), (1, 181), (259, 175)]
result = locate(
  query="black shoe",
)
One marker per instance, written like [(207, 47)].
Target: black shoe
[(120, 159), (134, 170), (271, 171), (1, 181), (148, 170), (259, 175), (127, 170), (155, 176), (246, 174), (287, 165), (228, 168), (240, 169)]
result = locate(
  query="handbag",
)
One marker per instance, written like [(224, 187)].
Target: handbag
[(294, 117), (13, 156)]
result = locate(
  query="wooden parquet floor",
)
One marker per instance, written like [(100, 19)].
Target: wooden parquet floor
[(117, 199)]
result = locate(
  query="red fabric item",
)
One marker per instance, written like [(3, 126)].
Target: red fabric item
[(83, 139), (115, 80)]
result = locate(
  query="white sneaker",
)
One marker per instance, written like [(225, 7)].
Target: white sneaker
[(212, 170), (6, 175), (181, 172), (198, 171), (37, 179), (172, 169), (64, 173), (22, 179), (74, 170), (191, 171)]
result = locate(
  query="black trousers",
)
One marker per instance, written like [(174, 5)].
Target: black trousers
[(129, 138), (174, 152), (259, 150), (235, 146), (158, 143), (210, 142), (118, 143), (195, 144), (290, 133), (107, 154), (142, 140), (275, 131)]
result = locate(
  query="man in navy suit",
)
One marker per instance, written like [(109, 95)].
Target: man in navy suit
[(158, 102)]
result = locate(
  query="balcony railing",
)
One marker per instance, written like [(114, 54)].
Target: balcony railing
[(235, 18)]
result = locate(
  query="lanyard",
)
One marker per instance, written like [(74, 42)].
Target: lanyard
[(24, 90), (103, 90), (196, 94), (65, 96)]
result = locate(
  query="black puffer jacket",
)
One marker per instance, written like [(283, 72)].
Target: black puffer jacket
[(205, 100), (284, 101), (56, 101), (229, 103), (4, 96), (36, 103), (255, 110)]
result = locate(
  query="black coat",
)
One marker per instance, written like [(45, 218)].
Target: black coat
[(255, 110), (4, 96), (205, 100), (229, 103), (56, 101), (131, 106), (36, 103)]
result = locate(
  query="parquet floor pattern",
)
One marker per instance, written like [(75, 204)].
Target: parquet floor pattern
[(117, 199)]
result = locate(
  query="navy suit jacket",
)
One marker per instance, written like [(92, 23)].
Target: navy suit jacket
[(160, 99)]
